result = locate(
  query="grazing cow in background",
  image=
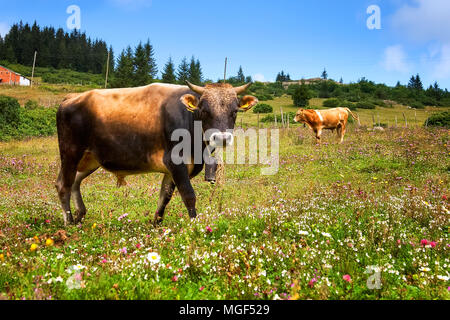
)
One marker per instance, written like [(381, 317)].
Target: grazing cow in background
[(129, 131), (330, 119)]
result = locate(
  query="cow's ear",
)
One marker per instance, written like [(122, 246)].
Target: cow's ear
[(190, 101), (248, 102)]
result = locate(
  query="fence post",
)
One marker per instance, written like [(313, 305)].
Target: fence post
[(406, 121), (258, 120), (396, 121)]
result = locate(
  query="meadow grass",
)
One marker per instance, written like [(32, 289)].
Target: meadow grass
[(308, 232)]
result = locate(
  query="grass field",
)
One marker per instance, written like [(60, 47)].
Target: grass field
[(310, 232)]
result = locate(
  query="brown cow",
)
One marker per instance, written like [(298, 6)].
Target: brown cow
[(330, 119), (130, 131)]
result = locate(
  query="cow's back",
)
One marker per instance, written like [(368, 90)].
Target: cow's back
[(122, 129)]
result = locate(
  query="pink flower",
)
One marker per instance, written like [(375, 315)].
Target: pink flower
[(104, 261), (347, 278), (174, 279), (424, 242), (312, 282), (201, 288), (208, 229), (138, 246), (123, 250), (433, 244), (399, 242)]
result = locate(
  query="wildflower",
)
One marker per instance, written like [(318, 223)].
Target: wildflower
[(49, 242), (424, 242), (303, 233), (153, 257), (122, 216), (444, 278), (312, 282), (347, 278), (174, 278), (2, 257), (104, 261), (123, 250), (94, 226), (33, 247), (433, 244), (201, 288), (425, 269), (138, 246), (166, 232), (208, 229)]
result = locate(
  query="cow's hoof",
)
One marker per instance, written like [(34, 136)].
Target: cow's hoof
[(79, 217), (157, 221)]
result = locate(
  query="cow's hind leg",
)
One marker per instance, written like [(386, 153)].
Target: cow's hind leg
[(339, 131), (64, 183), (166, 193), (76, 193), (342, 133)]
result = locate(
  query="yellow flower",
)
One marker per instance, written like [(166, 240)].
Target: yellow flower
[(36, 239), (94, 225), (2, 257), (33, 247), (49, 242)]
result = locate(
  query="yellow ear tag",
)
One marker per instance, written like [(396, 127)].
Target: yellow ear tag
[(245, 106), (191, 107)]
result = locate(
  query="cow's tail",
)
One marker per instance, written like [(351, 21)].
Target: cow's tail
[(354, 115)]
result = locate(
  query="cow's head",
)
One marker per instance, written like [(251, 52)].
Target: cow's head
[(217, 108), (300, 116)]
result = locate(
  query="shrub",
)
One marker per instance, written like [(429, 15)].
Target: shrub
[(441, 119), (263, 108), (417, 105), (17, 122), (331, 103), (31, 104), (9, 112), (365, 105)]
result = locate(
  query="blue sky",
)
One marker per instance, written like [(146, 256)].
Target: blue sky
[(298, 36)]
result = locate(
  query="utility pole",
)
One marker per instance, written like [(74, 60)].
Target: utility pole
[(32, 72), (107, 71), (225, 71)]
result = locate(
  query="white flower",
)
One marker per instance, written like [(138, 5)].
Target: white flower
[(444, 278), (166, 232), (303, 233), (262, 273), (325, 234), (153, 257), (425, 269)]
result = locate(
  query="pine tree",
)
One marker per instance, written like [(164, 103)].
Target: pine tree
[(153, 68), (240, 76), (141, 66), (324, 74), (183, 71), (168, 74), (124, 74), (301, 95), (195, 73)]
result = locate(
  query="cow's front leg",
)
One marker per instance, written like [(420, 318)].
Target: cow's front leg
[(167, 189), (318, 133), (180, 176)]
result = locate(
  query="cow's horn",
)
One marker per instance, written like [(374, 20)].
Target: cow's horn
[(243, 88), (195, 88)]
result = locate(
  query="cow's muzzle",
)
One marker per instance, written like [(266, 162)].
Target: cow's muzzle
[(221, 139)]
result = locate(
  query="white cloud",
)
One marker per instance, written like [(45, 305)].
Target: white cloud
[(394, 59), (4, 28), (259, 77), (442, 68), (426, 20)]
